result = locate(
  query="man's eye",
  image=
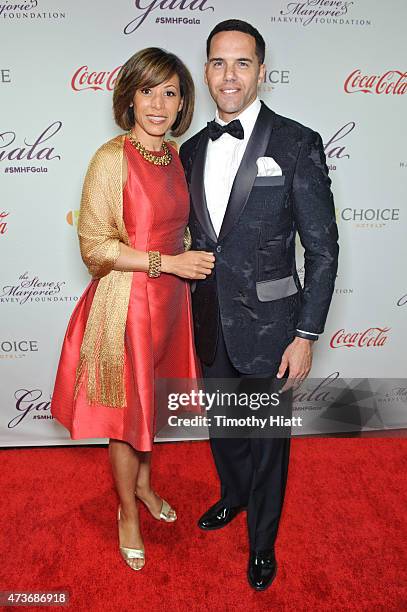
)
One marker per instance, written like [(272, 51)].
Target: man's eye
[(217, 64), (243, 64)]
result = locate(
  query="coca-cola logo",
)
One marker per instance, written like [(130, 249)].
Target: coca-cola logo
[(5, 75), (32, 289), (371, 337), (31, 149), (325, 12), (15, 349), (391, 82), (146, 8), (84, 78), (30, 402), (3, 223)]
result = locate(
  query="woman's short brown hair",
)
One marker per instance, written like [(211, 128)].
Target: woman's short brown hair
[(148, 68)]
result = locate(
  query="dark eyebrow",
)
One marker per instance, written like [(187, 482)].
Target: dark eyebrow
[(239, 59)]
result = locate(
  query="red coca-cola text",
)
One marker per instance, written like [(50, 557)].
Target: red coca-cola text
[(371, 337), (83, 78), (390, 82)]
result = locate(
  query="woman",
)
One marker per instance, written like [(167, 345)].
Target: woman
[(133, 323)]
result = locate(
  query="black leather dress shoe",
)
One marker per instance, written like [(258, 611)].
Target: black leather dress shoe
[(262, 569), (218, 516)]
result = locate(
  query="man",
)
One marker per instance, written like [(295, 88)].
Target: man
[(256, 178)]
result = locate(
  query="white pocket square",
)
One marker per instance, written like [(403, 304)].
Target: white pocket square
[(267, 166)]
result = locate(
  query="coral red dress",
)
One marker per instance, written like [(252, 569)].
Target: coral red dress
[(159, 340)]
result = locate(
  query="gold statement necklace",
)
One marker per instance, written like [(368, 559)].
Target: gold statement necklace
[(157, 160)]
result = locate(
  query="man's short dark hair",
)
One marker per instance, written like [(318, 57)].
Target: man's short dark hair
[(236, 25)]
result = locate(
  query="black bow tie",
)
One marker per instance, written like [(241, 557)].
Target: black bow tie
[(234, 128)]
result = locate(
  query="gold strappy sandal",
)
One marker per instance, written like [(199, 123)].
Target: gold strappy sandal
[(129, 554), (164, 512)]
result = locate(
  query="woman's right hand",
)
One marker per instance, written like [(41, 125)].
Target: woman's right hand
[(195, 265)]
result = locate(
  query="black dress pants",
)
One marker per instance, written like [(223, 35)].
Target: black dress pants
[(252, 471)]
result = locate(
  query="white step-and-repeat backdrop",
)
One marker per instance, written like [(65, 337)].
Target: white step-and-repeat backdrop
[(337, 66)]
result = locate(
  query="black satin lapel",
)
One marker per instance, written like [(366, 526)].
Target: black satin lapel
[(198, 189), (247, 172)]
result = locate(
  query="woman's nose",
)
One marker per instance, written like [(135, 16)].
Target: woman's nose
[(157, 101)]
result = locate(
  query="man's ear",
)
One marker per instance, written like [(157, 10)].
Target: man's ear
[(205, 69), (262, 72)]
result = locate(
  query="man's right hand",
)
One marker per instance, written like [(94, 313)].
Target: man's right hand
[(194, 265)]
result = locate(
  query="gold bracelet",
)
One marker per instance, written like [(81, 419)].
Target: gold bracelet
[(154, 264)]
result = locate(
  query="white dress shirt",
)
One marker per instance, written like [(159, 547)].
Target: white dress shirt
[(223, 159)]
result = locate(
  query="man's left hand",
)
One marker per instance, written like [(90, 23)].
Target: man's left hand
[(297, 357)]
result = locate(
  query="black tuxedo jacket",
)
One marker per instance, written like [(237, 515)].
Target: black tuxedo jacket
[(254, 291)]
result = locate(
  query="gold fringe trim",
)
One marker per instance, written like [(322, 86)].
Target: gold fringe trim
[(101, 364)]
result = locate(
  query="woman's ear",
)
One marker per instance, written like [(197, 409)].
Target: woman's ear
[(181, 104)]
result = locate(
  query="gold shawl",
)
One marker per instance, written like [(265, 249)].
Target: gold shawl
[(101, 229)]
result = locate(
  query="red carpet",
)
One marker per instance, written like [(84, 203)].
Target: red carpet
[(341, 546)]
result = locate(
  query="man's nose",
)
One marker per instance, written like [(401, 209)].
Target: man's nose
[(229, 74)]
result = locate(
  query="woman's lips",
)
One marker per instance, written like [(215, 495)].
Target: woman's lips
[(158, 119)]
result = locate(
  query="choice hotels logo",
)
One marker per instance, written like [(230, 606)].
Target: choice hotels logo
[(84, 78), (371, 337), (324, 12), (145, 8), (274, 78), (369, 217), (392, 82), (16, 349)]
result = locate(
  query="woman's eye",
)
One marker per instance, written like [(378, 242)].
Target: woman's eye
[(170, 93), (145, 91)]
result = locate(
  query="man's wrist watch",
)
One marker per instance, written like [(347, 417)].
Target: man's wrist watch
[(300, 333)]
